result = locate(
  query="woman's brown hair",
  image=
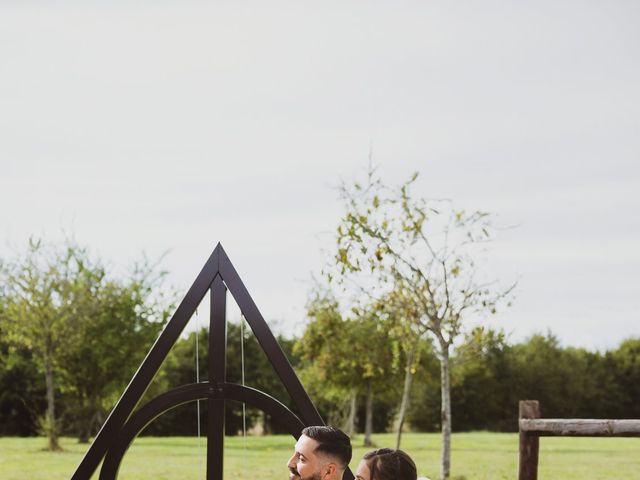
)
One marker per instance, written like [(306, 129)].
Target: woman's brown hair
[(389, 464)]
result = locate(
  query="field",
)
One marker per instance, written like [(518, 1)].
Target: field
[(476, 456)]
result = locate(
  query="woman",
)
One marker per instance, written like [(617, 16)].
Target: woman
[(386, 464)]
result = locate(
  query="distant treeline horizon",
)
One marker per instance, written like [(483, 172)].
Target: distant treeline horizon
[(489, 377)]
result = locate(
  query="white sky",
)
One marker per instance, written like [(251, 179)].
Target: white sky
[(175, 125)]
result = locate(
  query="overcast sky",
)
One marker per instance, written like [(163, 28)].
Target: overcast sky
[(175, 125)]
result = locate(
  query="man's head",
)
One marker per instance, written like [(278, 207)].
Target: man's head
[(321, 453)]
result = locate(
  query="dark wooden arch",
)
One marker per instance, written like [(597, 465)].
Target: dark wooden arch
[(217, 275)]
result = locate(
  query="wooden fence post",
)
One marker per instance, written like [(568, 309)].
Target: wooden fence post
[(529, 442)]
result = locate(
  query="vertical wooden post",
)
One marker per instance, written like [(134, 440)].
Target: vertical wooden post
[(529, 442), (217, 376)]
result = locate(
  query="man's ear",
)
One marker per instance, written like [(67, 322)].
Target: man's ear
[(330, 470)]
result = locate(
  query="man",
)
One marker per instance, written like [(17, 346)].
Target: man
[(321, 453)]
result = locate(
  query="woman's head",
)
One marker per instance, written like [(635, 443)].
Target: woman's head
[(386, 464)]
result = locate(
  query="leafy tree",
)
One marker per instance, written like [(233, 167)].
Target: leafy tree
[(627, 373), (406, 335), (374, 359), (482, 383), (80, 326), (352, 355), (568, 382), (38, 314), (423, 408), (389, 239), (22, 395), (119, 321), (545, 375), (258, 373)]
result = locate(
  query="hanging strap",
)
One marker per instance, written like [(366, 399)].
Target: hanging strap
[(198, 401), (244, 407)]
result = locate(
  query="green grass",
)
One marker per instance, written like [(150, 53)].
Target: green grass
[(476, 456)]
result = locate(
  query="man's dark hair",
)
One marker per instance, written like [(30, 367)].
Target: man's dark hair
[(331, 441)]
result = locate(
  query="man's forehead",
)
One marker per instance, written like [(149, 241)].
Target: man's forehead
[(306, 445)]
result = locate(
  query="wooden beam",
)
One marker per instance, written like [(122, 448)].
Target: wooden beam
[(579, 427)]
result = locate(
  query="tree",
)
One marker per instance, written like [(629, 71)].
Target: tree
[(22, 395), (373, 360), (243, 347), (37, 314), (627, 368), (351, 355), (388, 239), (118, 321), (406, 334), (482, 386), (80, 326)]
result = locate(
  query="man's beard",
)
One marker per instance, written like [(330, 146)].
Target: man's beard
[(315, 476)]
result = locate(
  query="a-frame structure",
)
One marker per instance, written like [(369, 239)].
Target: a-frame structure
[(123, 425)]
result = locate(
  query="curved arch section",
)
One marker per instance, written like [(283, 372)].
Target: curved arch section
[(190, 393)]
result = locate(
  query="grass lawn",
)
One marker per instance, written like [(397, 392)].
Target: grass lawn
[(476, 456)]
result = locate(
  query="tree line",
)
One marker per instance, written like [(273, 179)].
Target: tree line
[(353, 366), (490, 375), (72, 335)]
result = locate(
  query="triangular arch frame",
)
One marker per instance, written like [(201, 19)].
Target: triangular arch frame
[(122, 424)]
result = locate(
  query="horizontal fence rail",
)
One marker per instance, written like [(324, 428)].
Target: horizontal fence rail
[(532, 427), (565, 427)]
